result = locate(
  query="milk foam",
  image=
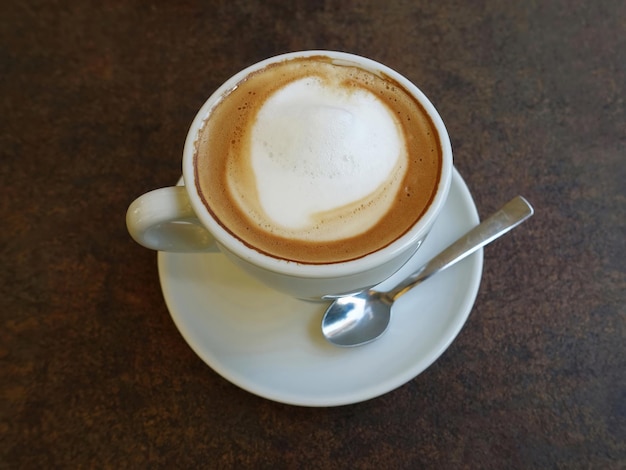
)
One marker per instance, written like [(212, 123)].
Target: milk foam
[(319, 149)]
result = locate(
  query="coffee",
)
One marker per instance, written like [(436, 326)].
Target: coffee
[(315, 162)]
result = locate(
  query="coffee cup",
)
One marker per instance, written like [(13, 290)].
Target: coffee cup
[(320, 173)]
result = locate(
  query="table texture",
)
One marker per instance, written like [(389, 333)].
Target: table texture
[(95, 101)]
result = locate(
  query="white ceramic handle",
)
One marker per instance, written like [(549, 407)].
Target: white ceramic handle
[(164, 220)]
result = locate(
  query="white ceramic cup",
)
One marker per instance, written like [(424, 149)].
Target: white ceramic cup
[(175, 219)]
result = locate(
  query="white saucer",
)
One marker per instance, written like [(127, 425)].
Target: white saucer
[(271, 345)]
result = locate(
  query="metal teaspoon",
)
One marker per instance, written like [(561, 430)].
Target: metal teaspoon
[(361, 318)]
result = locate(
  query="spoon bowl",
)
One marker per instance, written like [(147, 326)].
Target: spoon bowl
[(361, 318), (357, 319)]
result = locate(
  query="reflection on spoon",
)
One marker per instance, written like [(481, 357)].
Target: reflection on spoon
[(361, 318)]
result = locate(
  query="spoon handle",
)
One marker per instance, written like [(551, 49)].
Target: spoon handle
[(509, 216)]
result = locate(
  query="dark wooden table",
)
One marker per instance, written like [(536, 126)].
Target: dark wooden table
[(95, 102)]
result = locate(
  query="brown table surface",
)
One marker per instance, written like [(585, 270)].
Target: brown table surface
[(96, 99)]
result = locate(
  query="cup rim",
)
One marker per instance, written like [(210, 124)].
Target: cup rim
[(310, 270)]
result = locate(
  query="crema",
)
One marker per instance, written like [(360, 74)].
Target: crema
[(315, 162)]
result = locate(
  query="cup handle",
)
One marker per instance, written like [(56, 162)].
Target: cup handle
[(164, 220)]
